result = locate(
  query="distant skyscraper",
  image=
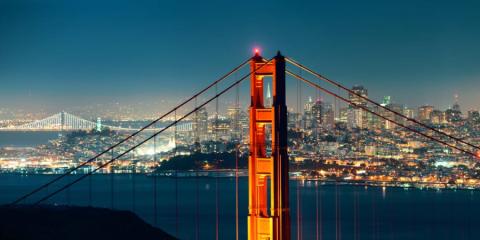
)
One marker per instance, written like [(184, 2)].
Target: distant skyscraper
[(456, 105), (308, 115), (437, 117), (343, 115), (386, 101), (357, 117), (268, 97), (454, 114), (355, 98), (233, 114), (328, 115), (200, 125), (410, 113), (317, 111), (292, 118), (424, 113)]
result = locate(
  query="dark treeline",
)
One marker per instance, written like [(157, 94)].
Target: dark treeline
[(197, 161)]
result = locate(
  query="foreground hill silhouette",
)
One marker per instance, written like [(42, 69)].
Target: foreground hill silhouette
[(72, 223)]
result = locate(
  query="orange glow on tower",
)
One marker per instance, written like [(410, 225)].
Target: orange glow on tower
[(268, 200)]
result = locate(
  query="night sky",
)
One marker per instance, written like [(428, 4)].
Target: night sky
[(69, 53)]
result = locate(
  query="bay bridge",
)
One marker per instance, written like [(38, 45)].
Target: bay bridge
[(64, 121), (268, 215)]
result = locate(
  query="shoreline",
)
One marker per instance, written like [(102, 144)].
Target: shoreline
[(229, 173)]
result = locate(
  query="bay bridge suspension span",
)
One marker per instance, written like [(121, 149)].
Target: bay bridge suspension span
[(268, 165), (64, 121)]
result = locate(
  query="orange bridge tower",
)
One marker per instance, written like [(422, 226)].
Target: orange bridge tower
[(268, 200)]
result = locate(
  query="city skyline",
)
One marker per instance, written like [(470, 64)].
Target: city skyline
[(143, 111), (62, 55)]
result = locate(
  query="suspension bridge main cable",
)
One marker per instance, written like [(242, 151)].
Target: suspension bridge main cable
[(377, 114), (133, 134), (152, 136), (299, 65)]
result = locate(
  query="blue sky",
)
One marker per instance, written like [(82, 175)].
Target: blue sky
[(66, 53)]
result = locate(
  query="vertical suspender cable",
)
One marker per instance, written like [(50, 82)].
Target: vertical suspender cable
[(317, 232), (237, 145), (337, 202), (217, 166), (197, 187), (236, 191), (90, 186), (176, 176), (374, 218), (301, 186), (320, 222), (111, 182), (298, 125), (155, 213), (337, 213), (134, 191), (355, 215)]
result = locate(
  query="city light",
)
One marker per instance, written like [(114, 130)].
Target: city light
[(141, 125)]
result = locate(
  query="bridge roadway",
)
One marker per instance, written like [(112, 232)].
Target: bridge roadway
[(64, 121)]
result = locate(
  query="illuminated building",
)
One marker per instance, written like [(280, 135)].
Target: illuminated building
[(328, 115), (357, 117), (268, 97), (233, 114), (359, 91), (438, 117), (99, 125), (473, 116), (317, 110), (343, 115), (410, 113), (454, 114), (308, 116), (200, 125), (424, 113), (386, 101)]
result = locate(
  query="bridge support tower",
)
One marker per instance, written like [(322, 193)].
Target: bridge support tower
[(268, 200)]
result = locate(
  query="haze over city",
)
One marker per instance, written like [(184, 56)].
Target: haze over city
[(61, 55)]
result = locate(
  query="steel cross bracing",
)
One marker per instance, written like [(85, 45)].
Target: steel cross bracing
[(268, 175)]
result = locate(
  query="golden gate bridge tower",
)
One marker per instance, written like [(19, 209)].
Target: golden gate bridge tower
[(268, 200)]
